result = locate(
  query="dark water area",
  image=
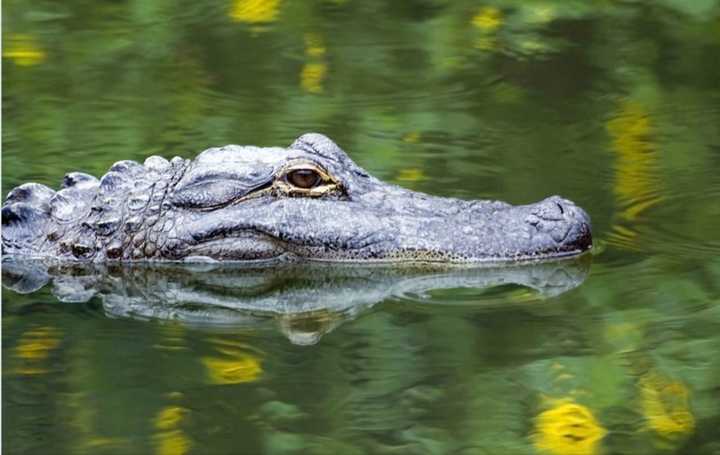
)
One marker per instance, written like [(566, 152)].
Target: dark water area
[(615, 105)]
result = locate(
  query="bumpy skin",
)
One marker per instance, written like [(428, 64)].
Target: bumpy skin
[(235, 203)]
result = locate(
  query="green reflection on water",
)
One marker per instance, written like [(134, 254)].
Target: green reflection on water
[(612, 104)]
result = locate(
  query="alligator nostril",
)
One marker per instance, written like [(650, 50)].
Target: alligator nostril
[(562, 211)]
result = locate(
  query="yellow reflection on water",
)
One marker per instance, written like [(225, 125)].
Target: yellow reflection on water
[(101, 442), (488, 19), (411, 174), (170, 439), (254, 11), (312, 77), (665, 405), (36, 343), (314, 45), (314, 71), (23, 50), (235, 364), (169, 417), (568, 428), (637, 181), (33, 348), (412, 137)]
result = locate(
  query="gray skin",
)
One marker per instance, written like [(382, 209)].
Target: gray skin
[(235, 203)]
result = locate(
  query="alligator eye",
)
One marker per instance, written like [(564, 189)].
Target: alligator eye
[(304, 178)]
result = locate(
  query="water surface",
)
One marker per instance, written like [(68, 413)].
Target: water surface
[(615, 105)]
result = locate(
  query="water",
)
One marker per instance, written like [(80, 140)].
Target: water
[(615, 105)]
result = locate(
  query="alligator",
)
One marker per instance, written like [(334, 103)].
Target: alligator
[(309, 201), (304, 300)]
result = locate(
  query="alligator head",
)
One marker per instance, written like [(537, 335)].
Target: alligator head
[(307, 201)]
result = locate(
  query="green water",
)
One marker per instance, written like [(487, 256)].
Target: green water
[(613, 104)]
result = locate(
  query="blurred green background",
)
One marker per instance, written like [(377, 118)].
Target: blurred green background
[(614, 104)]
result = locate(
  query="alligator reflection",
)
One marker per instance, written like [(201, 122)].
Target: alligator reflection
[(305, 301)]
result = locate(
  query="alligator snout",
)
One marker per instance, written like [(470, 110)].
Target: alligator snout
[(564, 222)]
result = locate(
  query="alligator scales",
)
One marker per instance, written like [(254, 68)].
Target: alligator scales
[(305, 202)]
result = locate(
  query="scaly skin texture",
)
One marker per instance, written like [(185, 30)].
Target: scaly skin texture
[(240, 203)]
